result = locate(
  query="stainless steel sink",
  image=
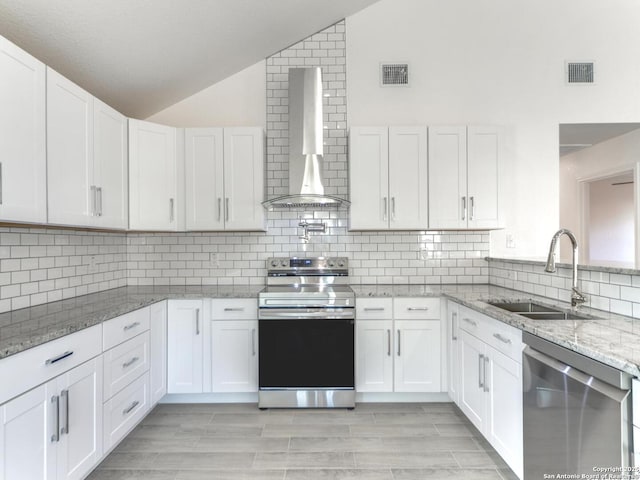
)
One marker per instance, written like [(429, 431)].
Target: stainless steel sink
[(536, 311)]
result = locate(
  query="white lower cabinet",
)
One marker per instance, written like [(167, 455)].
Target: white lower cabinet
[(400, 354), (125, 409), (54, 430), (185, 346), (234, 356), (490, 388)]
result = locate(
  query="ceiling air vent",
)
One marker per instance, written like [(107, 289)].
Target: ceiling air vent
[(394, 74), (579, 73)]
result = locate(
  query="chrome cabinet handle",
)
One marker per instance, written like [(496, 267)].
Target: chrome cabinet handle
[(56, 436), (384, 210), (501, 338), (398, 342), (99, 195), (226, 208), (219, 208), (472, 204), (128, 363), (130, 407), (197, 321), (65, 396), (481, 371), (171, 213), (130, 326), (388, 342), (417, 309), (253, 342), (469, 321), (94, 200), (464, 208), (0, 183), (373, 309), (454, 319), (393, 208), (234, 309), (62, 356), (486, 365)]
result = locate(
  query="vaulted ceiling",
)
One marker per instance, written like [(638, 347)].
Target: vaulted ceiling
[(141, 56)]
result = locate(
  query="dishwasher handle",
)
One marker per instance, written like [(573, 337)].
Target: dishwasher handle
[(529, 355)]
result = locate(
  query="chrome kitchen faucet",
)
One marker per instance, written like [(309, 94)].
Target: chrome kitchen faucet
[(577, 297)]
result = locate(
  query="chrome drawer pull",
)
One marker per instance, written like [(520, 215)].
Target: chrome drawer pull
[(469, 321), (373, 309), (253, 342), (197, 321), (130, 326), (501, 338), (65, 396), (62, 356), (454, 317), (234, 309), (56, 436), (388, 343), (481, 371), (130, 407), (398, 342), (417, 309), (486, 364), (130, 362)]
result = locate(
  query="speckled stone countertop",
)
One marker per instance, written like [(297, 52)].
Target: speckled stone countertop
[(29, 327), (609, 338)]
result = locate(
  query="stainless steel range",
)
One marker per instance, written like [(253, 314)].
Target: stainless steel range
[(306, 334)]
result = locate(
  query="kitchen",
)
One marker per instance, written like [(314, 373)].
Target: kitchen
[(41, 266)]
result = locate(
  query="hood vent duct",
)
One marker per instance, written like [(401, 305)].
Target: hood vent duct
[(306, 144)]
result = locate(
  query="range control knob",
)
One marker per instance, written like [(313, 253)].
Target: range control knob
[(331, 263), (274, 263), (341, 263), (284, 263)]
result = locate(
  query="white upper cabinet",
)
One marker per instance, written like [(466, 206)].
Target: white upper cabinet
[(69, 151), (388, 178), (23, 188), (86, 158), (224, 171), (110, 169), (463, 177), (153, 177), (244, 178)]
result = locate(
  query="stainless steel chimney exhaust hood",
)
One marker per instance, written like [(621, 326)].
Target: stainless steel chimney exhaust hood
[(305, 144)]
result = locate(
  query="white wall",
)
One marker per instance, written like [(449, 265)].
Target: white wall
[(500, 62), (234, 102)]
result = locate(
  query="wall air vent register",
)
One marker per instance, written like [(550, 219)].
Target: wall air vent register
[(394, 74), (579, 73)]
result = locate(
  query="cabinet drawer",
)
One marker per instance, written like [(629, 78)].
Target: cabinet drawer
[(470, 321), (25, 370), (504, 338), (234, 309), (124, 363), (124, 327), (374, 308), (418, 308), (125, 410)]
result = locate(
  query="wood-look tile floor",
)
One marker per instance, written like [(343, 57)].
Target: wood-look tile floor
[(238, 441)]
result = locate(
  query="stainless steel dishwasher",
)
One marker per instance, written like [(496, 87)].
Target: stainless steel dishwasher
[(577, 413)]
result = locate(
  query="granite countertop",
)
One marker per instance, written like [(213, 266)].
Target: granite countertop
[(610, 338), (29, 327)]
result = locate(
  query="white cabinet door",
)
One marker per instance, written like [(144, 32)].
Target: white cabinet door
[(234, 356), (23, 167), (80, 445), (26, 427), (472, 396), (374, 355), (69, 151), (185, 335), (483, 144), (447, 177), (369, 178), (110, 167), (417, 360), (153, 174), (453, 353), (244, 178), (204, 186), (504, 412), (158, 351), (408, 178)]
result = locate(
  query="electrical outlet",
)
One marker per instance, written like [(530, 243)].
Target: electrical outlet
[(215, 260), (424, 254), (511, 243), (93, 264)]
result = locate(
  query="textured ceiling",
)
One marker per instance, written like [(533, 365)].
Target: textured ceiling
[(141, 56)]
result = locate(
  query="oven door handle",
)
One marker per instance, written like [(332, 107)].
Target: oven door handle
[(291, 313)]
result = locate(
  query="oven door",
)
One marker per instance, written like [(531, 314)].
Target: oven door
[(306, 348)]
